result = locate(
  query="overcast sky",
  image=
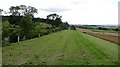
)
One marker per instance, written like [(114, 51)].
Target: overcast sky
[(72, 11)]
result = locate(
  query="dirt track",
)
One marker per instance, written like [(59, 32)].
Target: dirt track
[(105, 36)]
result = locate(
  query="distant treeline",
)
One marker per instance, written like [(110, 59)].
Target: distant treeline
[(115, 28), (6, 18)]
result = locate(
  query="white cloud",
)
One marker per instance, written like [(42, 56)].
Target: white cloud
[(73, 11)]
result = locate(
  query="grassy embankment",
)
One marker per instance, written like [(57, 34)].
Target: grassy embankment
[(62, 48)]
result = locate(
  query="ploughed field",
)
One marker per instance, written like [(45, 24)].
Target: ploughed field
[(104, 34), (66, 47)]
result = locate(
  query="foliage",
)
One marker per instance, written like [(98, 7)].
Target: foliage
[(17, 12), (5, 29), (26, 25), (10, 32), (15, 20), (72, 27), (64, 26), (22, 10), (27, 28), (41, 27), (54, 19), (21, 23), (1, 11)]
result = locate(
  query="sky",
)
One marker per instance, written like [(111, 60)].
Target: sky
[(90, 12)]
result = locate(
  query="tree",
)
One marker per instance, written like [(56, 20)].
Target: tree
[(24, 10), (14, 10), (52, 16), (15, 15), (57, 22), (64, 26), (1, 11), (42, 28), (10, 32), (26, 26), (72, 27), (17, 12), (22, 15), (54, 19), (15, 20)]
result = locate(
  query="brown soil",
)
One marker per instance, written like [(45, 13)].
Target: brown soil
[(106, 36)]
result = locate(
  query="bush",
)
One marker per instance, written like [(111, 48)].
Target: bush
[(73, 27), (5, 43)]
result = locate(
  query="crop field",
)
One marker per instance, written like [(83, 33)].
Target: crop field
[(110, 31), (107, 32), (66, 47), (113, 37)]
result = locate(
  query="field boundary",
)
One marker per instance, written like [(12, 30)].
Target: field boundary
[(111, 38), (104, 38)]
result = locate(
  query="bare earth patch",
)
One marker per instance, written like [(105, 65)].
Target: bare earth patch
[(113, 37)]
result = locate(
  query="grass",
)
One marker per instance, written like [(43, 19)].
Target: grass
[(0, 43), (0, 27), (62, 48)]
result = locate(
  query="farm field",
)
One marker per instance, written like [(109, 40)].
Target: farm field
[(108, 32), (66, 47), (113, 37)]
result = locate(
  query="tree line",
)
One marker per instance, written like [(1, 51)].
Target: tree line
[(22, 24)]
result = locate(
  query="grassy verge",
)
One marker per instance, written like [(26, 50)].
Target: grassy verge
[(62, 48)]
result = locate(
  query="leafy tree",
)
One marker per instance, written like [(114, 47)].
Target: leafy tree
[(5, 29), (22, 10), (8, 31), (64, 26), (53, 16), (26, 26), (54, 19), (15, 34), (14, 10), (27, 10), (22, 16), (18, 11), (15, 20), (72, 27), (42, 28), (57, 22), (1, 11)]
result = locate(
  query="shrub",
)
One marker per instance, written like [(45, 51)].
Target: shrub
[(72, 27)]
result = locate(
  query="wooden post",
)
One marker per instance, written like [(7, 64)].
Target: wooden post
[(39, 34), (24, 37), (18, 39)]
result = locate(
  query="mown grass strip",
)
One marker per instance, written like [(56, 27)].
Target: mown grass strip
[(62, 48)]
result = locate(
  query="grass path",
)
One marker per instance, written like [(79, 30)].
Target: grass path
[(62, 48)]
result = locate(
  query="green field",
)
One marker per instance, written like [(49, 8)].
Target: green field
[(62, 48)]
